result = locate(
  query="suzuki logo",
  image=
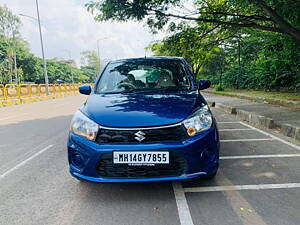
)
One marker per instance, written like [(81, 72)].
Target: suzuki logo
[(140, 136)]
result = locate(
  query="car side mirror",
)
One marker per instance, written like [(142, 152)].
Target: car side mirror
[(85, 90), (204, 84)]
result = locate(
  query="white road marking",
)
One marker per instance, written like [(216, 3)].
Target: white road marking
[(182, 206), (242, 129), (228, 122), (258, 139), (24, 162), (242, 187), (272, 136), (260, 156)]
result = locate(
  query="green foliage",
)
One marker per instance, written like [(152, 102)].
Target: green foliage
[(90, 59), (29, 68), (247, 60), (219, 87), (90, 64), (280, 16), (235, 43), (267, 61), (9, 33), (9, 23), (186, 43), (90, 72)]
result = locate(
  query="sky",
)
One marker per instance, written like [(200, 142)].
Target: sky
[(69, 29)]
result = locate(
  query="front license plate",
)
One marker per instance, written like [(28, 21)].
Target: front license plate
[(140, 158)]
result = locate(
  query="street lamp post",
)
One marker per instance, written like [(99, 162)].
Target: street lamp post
[(15, 60), (98, 49), (42, 46), (142, 44)]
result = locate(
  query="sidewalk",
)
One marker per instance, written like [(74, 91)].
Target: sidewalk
[(286, 120), (283, 99)]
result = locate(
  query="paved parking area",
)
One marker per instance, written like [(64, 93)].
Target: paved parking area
[(258, 181)]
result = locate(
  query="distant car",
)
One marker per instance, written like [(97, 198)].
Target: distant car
[(145, 120)]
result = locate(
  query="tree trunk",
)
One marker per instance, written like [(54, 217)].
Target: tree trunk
[(283, 24), (197, 69)]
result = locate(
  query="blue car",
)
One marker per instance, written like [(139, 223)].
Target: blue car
[(144, 120)]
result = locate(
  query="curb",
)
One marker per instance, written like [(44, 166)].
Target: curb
[(290, 131), (266, 122), (211, 104), (226, 108), (286, 103), (263, 121)]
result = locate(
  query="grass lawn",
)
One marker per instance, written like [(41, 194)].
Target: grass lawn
[(287, 99), (267, 95)]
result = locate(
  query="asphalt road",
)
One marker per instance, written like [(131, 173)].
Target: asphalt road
[(258, 182)]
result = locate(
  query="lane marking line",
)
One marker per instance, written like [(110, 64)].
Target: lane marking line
[(182, 205), (242, 187), (260, 156), (242, 129), (24, 162), (272, 136), (228, 122), (259, 139)]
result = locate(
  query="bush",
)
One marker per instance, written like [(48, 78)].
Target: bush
[(219, 88)]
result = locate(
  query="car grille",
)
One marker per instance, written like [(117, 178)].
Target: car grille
[(111, 136), (107, 169)]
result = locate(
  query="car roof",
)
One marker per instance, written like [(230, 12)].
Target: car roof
[(149, 58)]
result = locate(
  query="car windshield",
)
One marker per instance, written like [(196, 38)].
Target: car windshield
[(142, 75)]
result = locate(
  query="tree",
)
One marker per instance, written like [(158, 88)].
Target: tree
[(186, 43), (90, 58), (64, 72), (9, 23), (90, 64), (15, 51), (30, 67), (280, 16), (283, 24), (9, 29), (244, 58)]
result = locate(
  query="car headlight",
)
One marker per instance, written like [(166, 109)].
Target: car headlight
[(199, 121), (83, 126)]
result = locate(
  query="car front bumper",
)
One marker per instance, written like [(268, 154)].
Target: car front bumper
[(200, 153)]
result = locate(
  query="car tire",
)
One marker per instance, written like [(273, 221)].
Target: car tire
[(80, 181), (211, 176)]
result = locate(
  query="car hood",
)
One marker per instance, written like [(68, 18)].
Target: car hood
[(141, 110)]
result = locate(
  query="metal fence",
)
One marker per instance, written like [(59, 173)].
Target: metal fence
[(13, 91)]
